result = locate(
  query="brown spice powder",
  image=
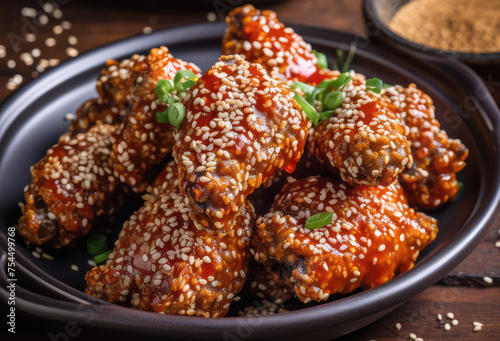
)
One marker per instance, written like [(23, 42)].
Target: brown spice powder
[(456, 25)]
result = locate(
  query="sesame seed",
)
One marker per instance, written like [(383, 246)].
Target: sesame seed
[(72, 52), (211, 16), (488, 280), (49, 42), (447, 326), (74, 267), (72, 40)]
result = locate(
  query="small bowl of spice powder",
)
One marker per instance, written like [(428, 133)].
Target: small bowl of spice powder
[(468, 30)]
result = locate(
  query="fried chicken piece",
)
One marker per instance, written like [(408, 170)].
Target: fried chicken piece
[(164, 262), (364, 140), (141, 142), (115, 86), (264, 281), (166, 181), (262, 38), (373, 235), (73, 189), (437, 159), (241, 127)]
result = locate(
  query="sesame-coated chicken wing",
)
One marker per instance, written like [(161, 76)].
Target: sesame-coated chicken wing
[(141, 142), (115, 86), (164, 262), (73, 189), (166, 181), (437, 159), (373, 235), (364, 140), (262, 38), (241, 127)]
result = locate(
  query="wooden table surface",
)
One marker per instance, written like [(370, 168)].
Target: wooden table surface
[(463, 292)]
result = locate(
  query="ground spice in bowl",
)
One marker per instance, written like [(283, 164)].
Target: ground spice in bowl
[(470, 26)]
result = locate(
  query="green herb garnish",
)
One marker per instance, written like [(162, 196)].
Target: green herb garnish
[(163, 89), (319, 220), (325, 115), (102, 257), (181, 87), (374, 85), (460, 190), (322, 61), (308, 109), (343, 63), (322, 93), (308, 89), (333, 100), (175, 112), (96, 244)]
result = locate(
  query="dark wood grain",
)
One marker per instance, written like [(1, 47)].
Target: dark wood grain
[(95, 24)]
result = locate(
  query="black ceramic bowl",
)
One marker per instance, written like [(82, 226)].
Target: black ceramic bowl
[(32, 119), (378, 15)]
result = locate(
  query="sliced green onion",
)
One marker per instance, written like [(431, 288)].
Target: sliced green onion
[(343, 63), (308, 89), (187, 84), (327, 85), (460, 190), (162, 117), (322, 61), (308, 109), (342, 81), (321, 90), (176, 113), (385, 86), (102, 257), (181, 87), (318, 220), (340, 59), (333, 100), (325, 115), (96, 244), (374, 85), (162, 90), (347, 63)]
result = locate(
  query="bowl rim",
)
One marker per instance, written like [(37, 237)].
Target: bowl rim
[(342, 311), (372, 16)]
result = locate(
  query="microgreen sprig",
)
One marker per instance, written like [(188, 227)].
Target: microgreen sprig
[(319, 220)]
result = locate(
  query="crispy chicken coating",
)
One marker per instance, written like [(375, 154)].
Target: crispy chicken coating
[(166, 181), (373, 235), (241, 127), (262, 38), (73, 189), (115, 86), (141, 142), (437, 159), (164, 262), (364, 140)]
